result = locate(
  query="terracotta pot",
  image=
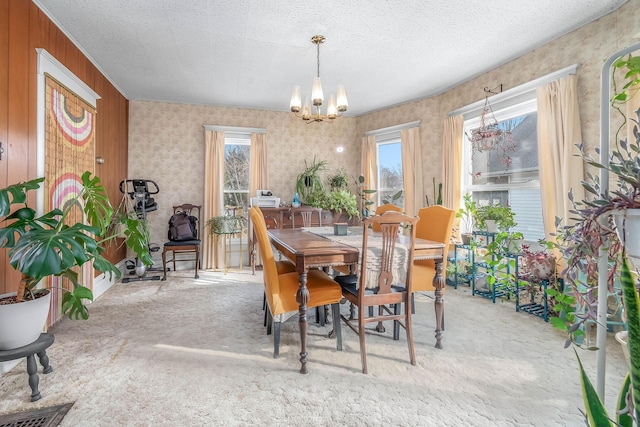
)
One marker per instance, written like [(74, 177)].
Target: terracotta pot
[(22, 323)]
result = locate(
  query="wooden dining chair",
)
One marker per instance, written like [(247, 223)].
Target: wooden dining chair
[(305, 213), (385, 208), (388, 294), (185, 246), (281, 289)]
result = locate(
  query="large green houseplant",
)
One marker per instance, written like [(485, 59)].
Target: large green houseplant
[(309, 185), (46, 245)]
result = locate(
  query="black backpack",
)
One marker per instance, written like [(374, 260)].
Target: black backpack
[(183, 227)]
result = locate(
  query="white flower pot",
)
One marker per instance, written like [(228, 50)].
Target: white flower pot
[(621, 337), (22, 323), (629, 221), (491, 225)]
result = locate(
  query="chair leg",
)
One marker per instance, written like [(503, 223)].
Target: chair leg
[(197, 258), (336, 325), (276, 340), (269, 321), (320, 315), (396, 324), (164, 264), (408, 321), (363, 350)]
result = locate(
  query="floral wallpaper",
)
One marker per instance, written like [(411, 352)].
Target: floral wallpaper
[(166, 141)]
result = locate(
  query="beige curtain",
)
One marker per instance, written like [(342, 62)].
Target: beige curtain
[(558, 131), (412, 170), (258, 172), (452, 162), (368, 163), (213, 186)]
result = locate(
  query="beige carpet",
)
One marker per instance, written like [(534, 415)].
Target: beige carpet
[(191, 352)]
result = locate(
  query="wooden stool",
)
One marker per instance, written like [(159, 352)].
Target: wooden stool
[(38, 347)]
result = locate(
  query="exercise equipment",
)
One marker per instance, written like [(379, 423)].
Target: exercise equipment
[(141, 202)]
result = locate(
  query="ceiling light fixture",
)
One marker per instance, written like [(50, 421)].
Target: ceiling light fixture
[(336, 106)]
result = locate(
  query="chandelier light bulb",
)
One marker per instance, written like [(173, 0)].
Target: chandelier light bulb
[(332, 111), (342, 102), (316, 92), (306, 109), (296, 100)]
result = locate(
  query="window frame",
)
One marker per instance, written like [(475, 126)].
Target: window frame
[(236, 139), (388, 139)]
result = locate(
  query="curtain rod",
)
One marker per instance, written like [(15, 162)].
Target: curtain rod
[(234, 129), (512, 94), (395, 128)]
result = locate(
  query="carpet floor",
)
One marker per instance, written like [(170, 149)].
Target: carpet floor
[(189, 352)]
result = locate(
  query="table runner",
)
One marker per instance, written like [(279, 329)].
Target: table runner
[(374, 252)]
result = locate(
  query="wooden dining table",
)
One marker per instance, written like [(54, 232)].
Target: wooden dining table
[(308, 250)]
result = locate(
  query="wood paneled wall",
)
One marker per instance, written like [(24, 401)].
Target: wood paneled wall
[(23, 28)]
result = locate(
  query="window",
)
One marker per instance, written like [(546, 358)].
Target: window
[(237, 153), (390, 178), (508, 173)]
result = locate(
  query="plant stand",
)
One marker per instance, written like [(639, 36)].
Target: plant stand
[(540, 309), (38, 347)]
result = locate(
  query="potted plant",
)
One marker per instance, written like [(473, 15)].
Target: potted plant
[(467, 214), (339, 180), (342, 202), (309, 182), (494, 217), (594, 230), (364, 194), (46, 245)]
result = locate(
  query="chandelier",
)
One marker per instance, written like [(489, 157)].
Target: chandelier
[(336, 105)]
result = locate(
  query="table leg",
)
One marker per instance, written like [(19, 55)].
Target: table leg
[(302, 297), (438, 283), (44, 361), (32, 370)]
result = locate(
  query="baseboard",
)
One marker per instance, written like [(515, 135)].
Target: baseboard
[(102, 283)]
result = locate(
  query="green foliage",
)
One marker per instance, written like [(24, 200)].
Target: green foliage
[(339, 180), (467, 213), (596, 413), (309, 182), (363, 194), (393, 199), (342, 200), (501, 214), (46, 246)]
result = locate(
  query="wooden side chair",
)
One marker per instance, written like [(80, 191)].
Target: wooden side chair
[(387, 293), (385, 208), (305, 213), (185, 246), (281, 289)]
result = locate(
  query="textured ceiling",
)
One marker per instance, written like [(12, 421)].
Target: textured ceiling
[(250, 53)]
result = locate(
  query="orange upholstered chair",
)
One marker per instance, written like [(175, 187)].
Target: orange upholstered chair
[(435, 224), (382, 209), (281, 289), (284, 266)]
